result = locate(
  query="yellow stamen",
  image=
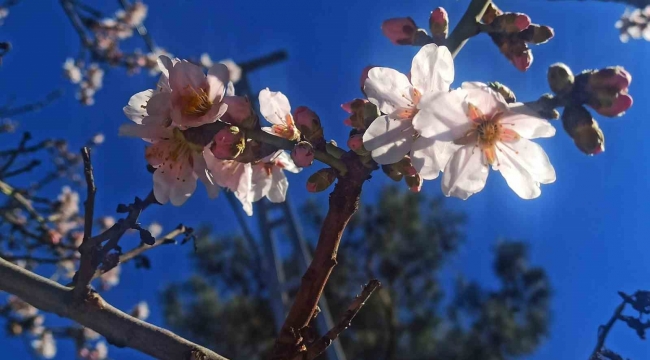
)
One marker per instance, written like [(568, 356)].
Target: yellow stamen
[(196, 103)]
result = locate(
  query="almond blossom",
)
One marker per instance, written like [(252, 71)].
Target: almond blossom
[(275, 108), (390, 137), (268, 178), (480, 129), (234, 176)]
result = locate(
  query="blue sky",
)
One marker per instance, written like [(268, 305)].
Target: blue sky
[(589, 229)]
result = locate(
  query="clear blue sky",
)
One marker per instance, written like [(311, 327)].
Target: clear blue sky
[(589, 229)]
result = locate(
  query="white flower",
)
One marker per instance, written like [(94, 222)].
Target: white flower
[(481, 129), (68, 203), (269, 179), (155, 229), (392, 136), (21, 307), (72, 71), (45, 346), (276, 109), (206, 60), (233, 68), (141, 311)]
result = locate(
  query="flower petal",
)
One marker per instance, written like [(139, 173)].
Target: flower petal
[(279, 186), (442, 116), (136, 109), (517, 177), (161, 187), (185, 74), (261, 182), (274, 106), (183, 188), (388, 140), (432, 69), (159, 104), (145, 131), (388, 89), (287, 164), (201, 170), (430, 159), (218, 77), (527, 122), (532, 158), (487, 100), (465, 174)]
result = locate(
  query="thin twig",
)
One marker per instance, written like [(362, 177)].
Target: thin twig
[(23, 141), (142, 248), (603, 330), (88, 261), (68, 7), (35, 106), (320, 345), (26, 168)]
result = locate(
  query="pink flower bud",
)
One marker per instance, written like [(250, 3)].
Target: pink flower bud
[(355, 142), (400, 31), (522, 21), (303, 154), (357, 109), (537, 34), (239, 111), (414, 183), (439, 24), (321, 180), (612, 77), (228, 143), (306, 120), (615, 106), (522, 61)]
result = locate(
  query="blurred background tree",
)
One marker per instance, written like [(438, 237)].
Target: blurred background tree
[(404, 240)]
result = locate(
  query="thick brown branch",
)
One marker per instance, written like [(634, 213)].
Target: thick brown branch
[(343, 203), (119, 328), (320, 345)]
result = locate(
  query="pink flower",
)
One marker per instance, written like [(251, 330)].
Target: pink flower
[(400, 31), (239, 111), (234, 176), (195, 99)]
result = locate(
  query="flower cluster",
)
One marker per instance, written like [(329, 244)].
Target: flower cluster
[(512, 32), (427, 129), (89, 78), (186, 107), (634, 24), (604, 90)]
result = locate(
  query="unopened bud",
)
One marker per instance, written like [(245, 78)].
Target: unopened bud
[(356, 109), (239, 112), (511, 22), (537, 34), (522, 61), (228, 143), (400, 31), (321, 180), (15, 328), (414, 183), (308, 123), (610, 103), (583, 129), (302, 154), (491, 13), (615, 77), (405, 166), (508, 95), (392, 172), (560, 78), (355, 143), (439, 24)]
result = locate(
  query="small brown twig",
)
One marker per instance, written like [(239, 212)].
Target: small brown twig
[(86, 264), (467, 26), (319, 346), (142, 248)]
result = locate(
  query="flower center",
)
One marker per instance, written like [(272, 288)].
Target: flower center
[(489, 132), (196, 103)]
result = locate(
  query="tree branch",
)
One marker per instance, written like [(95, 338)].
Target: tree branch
[(320, 345), (119, 328), (343, 203), (603, 330), (468, 26)]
